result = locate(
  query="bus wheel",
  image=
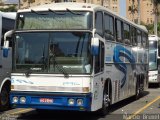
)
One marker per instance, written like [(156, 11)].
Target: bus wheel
[(106, 103), (137, 95), (4, 99)]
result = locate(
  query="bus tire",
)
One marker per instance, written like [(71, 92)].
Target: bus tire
[(137, 95), (106, 101), (4, 98), (44, 111)]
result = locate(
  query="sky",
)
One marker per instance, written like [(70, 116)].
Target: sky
[(122, 8), (10, 1)]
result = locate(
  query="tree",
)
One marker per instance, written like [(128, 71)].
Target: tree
[(150, 28), (155, 11), (133, 9), (9, 9)]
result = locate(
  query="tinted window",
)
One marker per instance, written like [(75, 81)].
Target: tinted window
[(109, 27), (133, 36), (119, 31), (7, 24), (139, 39), (126, 33), (59, 20), (99, 23), (99, 59), (144, 40)]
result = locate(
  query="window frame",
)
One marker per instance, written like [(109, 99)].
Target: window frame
[(101, 33), (110, 35), (125, 39), (121, 30)]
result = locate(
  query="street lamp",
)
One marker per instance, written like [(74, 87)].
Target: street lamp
[(19, 4)]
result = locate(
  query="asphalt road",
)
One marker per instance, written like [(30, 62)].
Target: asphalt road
[(145, 108)]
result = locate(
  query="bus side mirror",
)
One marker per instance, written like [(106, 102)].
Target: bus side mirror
[(5, 49), (7, 39), (94, 46)]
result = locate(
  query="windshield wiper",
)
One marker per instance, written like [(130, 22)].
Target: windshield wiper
[(57, 13), (75, 13), (28, 72), (38, 13), (59, 67)]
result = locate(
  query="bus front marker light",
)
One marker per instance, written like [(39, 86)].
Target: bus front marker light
[(15, 99), (22, 100), (85, 89), (71, 101), (79, 102)]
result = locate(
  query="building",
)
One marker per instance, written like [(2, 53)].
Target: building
[(29, 3), (146, 11), (111, 4), (146, 7), (7, 3)]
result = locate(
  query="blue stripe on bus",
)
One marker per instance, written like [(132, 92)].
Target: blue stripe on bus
[(59, 102), (120, 51)]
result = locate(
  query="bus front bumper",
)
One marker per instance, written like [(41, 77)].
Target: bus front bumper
[(54, 101)]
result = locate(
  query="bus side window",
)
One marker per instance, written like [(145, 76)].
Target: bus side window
[(99, 23), (144, 40), (7, 24), (133, 35), (119, 31), (2, 41), (102, 55), (108, 27), (97, 62), (159, 50), (126, 33), (139, 38), (147, 41), (99, 59)]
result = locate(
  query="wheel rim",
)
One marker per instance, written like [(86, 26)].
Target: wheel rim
[(137, 91), (4, 97), (106, 100)]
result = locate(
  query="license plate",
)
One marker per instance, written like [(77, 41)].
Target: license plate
[(46, 100)]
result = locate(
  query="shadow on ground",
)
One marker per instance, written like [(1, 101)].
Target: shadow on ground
[(72, 115)]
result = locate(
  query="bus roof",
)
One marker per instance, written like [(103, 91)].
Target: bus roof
[(78, 6), (10, 15)]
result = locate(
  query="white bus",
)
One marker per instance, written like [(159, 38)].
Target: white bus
[(76, 56), (153, 59), (7, 22)]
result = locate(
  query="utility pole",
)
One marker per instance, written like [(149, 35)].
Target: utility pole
[(139, 17), (155, 24), (102, 2), (132, 10), (19, 4), (155, 18)]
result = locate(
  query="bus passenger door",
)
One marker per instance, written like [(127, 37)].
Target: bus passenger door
[(98, 78), (1, 64)]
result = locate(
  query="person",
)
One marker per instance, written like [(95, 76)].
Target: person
[(56, 51)]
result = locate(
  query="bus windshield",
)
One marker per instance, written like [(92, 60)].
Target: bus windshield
[(60, 20), (53, 52), (153, 55)]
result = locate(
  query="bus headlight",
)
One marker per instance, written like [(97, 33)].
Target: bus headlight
[(71, 101), (15, 99), (79, 102), (22, 100)]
